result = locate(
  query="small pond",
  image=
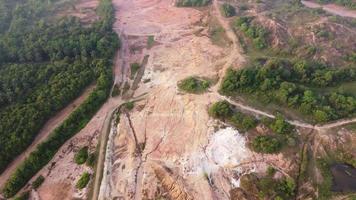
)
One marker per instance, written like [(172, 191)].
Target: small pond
[(344, 178)]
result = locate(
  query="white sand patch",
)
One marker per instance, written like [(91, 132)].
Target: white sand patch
[(226, 149)]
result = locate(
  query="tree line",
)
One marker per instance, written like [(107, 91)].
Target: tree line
[(295, 84), (59, 59)]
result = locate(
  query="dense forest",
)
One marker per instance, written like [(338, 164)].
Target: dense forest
[(44, 65), (297, 85)]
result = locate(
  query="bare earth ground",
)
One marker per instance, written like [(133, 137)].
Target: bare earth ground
[(169, 142), (167, 146), (48, 128), (332, 8)]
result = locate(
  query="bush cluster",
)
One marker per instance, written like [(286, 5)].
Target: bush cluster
[(266, 144), (38, 182), (227, 10), (193, 85), (83, 180), (225, 111), (257, 33), (81, 156)]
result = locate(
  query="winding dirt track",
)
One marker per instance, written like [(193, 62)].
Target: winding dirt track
[(47, 129), (331, 8)]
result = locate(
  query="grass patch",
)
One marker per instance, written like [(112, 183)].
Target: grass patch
[(134, 67), (81, 156), (325, 187), (150, 41), (129, 105), (194, 85), (83, 180)]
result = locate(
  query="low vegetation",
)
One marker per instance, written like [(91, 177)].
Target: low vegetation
[(23, 196), (38, 182), (81, 156), (325, 187), (266, 144), (221, 110), (268, 187), (150, 41), (134, 67), (194, 85), (295, 84), (91, 160), (257, 33), (129, 105), (189, 3), (83, 180), (45, 151), (227, 10)]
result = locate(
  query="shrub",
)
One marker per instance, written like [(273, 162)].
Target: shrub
[(129, 105), (150, 41), (23, 196), (193, 85), (281, 126), (91, 160), (38, 182), (227, 10), (221, 109), (242, 121), (134, 68), (81, 156), (83, 180), (266, 144)]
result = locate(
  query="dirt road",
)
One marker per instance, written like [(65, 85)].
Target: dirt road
[(331, 8), (47, 129)]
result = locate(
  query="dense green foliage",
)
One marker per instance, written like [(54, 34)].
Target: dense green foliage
[(295, 85), (80, 55), (81, 156), (266, 144), (193, 85), (83, 180), (242, 121), (348, 3), (227, 10), (38, 182), (225, 111), (221, 109), (257, 33), (186, 3)]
